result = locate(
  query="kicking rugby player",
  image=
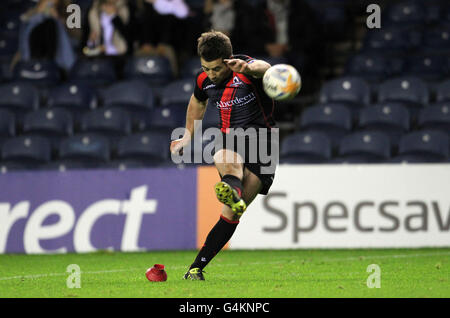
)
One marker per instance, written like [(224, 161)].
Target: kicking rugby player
[(233, 84)]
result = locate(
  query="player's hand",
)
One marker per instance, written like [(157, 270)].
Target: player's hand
[(177, 145), (237, 65)]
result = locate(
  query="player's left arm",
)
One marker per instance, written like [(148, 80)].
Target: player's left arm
[(255, 68)]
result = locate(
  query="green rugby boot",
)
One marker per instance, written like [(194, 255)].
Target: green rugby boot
[(194, 274), (229, 196)]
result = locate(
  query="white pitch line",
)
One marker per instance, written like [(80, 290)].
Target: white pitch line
[(67, 273), (279, 261), (362, 257)]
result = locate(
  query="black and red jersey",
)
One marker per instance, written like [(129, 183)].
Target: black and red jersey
[(239, 99)]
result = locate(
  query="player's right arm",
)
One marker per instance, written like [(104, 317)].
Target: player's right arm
[(195, 111)]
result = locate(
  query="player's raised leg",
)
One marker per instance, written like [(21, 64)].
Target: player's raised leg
[(228, 190), (251, 187)]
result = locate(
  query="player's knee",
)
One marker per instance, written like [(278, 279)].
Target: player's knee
[(228, 157), (234, 170)]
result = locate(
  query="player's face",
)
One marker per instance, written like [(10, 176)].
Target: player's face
[(216, 70)]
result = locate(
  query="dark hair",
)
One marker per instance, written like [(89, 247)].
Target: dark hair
[(213, 45)]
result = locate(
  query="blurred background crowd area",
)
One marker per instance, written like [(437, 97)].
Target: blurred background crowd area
[(295, 30), (128, 70)]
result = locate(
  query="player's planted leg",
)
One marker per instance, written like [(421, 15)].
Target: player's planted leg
[(219, 235)]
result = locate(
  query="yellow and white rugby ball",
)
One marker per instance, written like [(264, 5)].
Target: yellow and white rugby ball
[(282, 82)]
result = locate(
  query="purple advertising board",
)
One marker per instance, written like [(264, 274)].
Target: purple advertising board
[(85, 211)]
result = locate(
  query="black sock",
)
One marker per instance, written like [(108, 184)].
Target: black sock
[(233, 181), (219, 235)]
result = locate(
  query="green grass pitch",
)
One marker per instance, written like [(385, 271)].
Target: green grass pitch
[(233, 274)]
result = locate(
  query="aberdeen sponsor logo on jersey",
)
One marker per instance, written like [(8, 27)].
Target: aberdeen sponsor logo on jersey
[(237, 101)]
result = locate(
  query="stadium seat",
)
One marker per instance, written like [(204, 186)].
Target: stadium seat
[(446, 14), (435, 117), (443, 91), (334, 18), (75, 98), (190, 68), (7, 126), (436, 40), (434, 11), (67, 165), (422, 147), (95, 72), (351, 91), (391, 40), (124, 164), (405, 13), (29, 151), (178, 92), (6, 167), (309, 147), (373, 67), (41, 73), (150, 148), (16, 7), (164, 118), (427, 67), (53, 124), (10, 24), (389, 118), (364, 147), (411, 91), (8, 45), (333, 120), (19, 98), (5, 71), (133, 96), (155, 70), (111, 123), (84, 150)]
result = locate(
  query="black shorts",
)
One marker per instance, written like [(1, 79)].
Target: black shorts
[(259, 148)]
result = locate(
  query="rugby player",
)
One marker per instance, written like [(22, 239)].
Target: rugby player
[(233, 84)]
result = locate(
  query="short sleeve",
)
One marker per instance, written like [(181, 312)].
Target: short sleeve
[(198, 90)]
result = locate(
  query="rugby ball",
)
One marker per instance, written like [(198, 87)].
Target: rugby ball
[(282, 82)]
